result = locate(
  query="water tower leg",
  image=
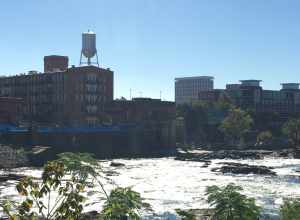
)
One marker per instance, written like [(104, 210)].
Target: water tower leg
[(80, 59), (97, 59)]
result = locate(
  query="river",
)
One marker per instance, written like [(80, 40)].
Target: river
[(168, 184)]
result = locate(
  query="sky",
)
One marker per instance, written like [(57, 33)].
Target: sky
[(147, 43)]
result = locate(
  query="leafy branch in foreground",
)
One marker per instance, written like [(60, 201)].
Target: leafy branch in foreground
[(185, 215), (57, 198), (290, 210), (67, 204), (120, 202), (123, 202), (230, 204), (83, 165)]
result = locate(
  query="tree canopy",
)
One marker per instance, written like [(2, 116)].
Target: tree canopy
[(292, 129), (236, 124)]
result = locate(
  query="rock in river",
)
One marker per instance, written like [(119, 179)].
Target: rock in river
[(117, 164), (6, 177), (238, 168)]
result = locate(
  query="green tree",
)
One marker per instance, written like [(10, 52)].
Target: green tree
[(123, 202), (290, 210), (230, 204), (195, 120), (236, 124), (292, 129), (264, 137), (267, 121)]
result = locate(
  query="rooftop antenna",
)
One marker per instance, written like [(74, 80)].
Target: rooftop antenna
[(89, 49), (160, 94), (130, 94)]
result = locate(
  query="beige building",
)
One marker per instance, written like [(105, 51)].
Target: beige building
[(188, 88)]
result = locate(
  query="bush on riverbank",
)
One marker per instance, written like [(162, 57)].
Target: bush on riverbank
[(12, 157), (292, 130)]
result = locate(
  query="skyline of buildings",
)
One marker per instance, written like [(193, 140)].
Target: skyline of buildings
[(73, 96), (250, 95)]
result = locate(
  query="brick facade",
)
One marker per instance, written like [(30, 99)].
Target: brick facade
[(72, 97), (141, 110), (10, 110)]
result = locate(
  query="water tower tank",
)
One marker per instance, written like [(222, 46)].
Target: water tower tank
[(89, 44)]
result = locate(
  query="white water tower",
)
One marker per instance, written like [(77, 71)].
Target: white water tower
[(89, 49)]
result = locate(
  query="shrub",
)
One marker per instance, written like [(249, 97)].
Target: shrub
[(290, 210), (292, 130), (230, 204), (123, 202), (264, 137)]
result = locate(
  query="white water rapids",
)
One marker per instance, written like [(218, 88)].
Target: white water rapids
[(168, 184)]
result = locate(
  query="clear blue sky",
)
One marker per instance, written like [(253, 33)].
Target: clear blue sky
[(150, 42)]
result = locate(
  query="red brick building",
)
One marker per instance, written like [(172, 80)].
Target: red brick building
[(55, 63), (10, 110), (140, 110), (156, 119), (74, 96)]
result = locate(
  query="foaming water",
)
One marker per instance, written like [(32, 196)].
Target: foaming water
[(168, 184)]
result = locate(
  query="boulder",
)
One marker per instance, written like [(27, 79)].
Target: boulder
[(238, 168), (92, 215), (116, 164), (221, 154), (6, 177)]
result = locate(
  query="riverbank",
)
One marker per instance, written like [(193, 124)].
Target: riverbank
[(16, 156)]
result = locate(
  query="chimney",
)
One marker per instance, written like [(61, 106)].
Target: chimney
[(55, 63)]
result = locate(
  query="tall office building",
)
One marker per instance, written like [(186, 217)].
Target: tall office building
[(187, 88)]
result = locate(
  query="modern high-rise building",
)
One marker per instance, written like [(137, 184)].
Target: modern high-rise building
[(187, 88)]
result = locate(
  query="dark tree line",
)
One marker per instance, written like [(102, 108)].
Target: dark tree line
[(222, 122)]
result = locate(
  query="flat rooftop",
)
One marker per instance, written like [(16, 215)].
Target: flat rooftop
[(290, 84), (251, 80), (194, 77)]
